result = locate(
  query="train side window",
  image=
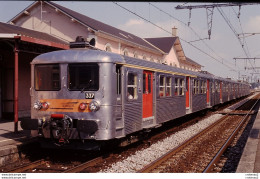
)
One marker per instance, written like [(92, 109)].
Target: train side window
[(181, 90), (200, 87), (118, 80), (168, 86), (179, 87), (162, 86), (194, 86), (144, 83), (212, 88), (132, 86), (149, 83), (176, 88), (203, 87)]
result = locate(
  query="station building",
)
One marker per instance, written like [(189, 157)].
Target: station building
[(59, 26)]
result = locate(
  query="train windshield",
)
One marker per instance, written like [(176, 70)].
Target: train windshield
[(83, 77), (47, 77)]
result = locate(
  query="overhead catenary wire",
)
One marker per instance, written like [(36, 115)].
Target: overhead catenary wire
[(220, 61), (199, 38), (235, 32)]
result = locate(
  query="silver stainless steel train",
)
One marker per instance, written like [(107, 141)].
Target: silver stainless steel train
[(81, 98)]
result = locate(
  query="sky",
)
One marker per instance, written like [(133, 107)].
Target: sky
[(216, 54)]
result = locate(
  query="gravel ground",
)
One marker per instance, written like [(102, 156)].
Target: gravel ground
[(142, 158)]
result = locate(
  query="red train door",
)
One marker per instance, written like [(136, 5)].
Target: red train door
[(207, 91), (147, 94), (187, 92)]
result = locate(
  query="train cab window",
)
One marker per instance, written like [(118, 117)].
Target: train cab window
[(132, 86), (168, 86), (162, 86), (47, 77), (83, 77)]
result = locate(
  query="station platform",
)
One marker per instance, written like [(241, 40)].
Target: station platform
[(250, 159), (10, 142)]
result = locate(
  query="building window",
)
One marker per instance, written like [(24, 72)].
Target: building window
[(132, 86), (135, 55), (151, 59), (108, 47), (125, 52)]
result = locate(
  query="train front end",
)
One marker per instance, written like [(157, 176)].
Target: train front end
[(72, 98)]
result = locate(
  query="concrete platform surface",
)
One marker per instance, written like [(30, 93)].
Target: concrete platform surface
[(250, 159), (7, 135), (11, 143)]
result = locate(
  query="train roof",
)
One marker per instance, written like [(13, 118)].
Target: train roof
[(97, 56), (78, 56)]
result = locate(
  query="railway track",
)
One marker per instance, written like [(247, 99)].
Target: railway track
[(43, 166), (203, 151)]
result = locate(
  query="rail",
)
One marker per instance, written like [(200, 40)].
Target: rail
[(82, 166), (27, 166), (157, 163), (227, 143)]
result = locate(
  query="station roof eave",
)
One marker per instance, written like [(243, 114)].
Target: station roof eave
[(8, 31), (33, 40)]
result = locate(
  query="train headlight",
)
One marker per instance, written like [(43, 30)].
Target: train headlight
[(45, 105), (94, 106), (82, 106), (37, 105)]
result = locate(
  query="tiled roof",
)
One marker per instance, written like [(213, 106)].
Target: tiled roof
[(99, 26), (163, 43), (12, 29)]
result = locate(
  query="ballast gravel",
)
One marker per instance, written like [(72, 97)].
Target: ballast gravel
[(143, 157)]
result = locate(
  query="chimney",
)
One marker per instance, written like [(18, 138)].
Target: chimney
[(174, 31)]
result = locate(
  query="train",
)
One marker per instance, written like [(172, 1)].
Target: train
[(84, 97)]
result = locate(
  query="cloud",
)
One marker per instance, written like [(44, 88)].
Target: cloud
[(145, 29), (253, 25), (132, 22)]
